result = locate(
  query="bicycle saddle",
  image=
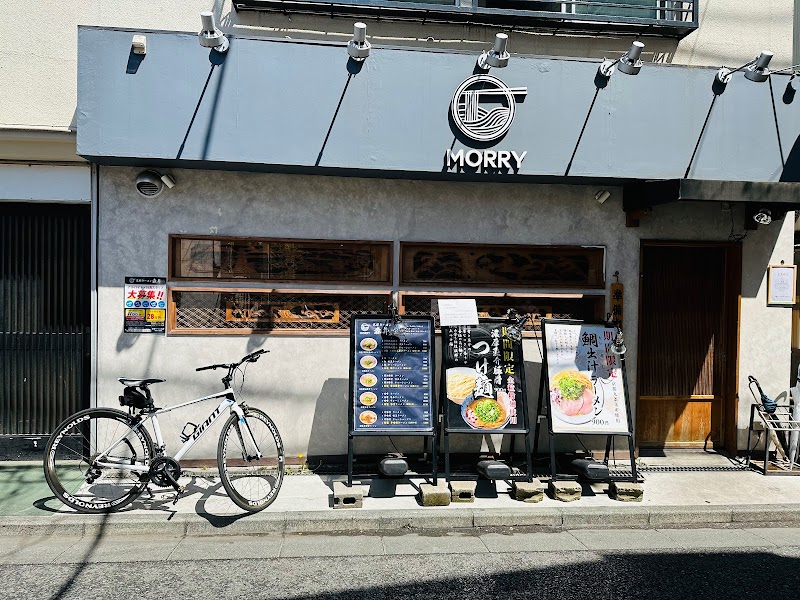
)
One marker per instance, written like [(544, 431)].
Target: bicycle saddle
[(137, 382)]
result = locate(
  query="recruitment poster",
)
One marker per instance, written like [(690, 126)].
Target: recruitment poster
[(145, 304), (391, 375), (584, 378), (483, 378)]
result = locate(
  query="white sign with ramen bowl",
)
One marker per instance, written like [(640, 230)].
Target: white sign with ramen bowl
[(585, 379)]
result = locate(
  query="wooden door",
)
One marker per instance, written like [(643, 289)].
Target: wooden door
[(684, 310)]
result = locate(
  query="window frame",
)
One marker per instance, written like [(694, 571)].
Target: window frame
[(175, 238)]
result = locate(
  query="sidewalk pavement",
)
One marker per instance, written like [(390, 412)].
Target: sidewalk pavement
[(685, 498)]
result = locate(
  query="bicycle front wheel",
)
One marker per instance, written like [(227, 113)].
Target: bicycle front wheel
[(95, 462), (252, 483)]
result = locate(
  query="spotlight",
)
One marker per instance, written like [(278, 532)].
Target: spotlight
[(758, 71), (210, 36), (629, 63), (359, 47), (602, 196), (139, 44), (763, 216), (496, 57)]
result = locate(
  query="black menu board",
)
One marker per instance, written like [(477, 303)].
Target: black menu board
[(391, 375), (483, 378)]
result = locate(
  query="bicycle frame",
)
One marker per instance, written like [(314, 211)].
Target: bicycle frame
[(229, 400)]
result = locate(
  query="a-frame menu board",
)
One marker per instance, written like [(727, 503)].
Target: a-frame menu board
[(584, 383), (483, 383)]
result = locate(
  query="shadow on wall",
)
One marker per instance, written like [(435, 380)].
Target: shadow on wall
[(329, 429), (791, 170)]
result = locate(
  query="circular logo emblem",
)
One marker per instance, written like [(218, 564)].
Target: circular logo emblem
[(483, 107)]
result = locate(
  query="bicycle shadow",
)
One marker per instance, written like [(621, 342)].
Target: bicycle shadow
[(213, 503)]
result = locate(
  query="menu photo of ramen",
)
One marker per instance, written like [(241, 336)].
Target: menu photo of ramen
[(481, 406), (572, 396)]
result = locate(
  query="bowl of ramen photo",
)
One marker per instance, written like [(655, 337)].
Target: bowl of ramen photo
[(368, 398), (461, 383), (368, 344), (368, 362), (368, 417), (572, 396), (368, 380), (487, 413)]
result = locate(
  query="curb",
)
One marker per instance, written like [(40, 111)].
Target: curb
[(400, 520)]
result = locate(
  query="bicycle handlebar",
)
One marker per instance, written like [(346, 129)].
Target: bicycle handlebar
[(253, 357)]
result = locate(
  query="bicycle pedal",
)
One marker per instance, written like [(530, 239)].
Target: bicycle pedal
[(178, 494)]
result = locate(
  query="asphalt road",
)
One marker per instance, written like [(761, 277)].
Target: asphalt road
[(670, 564)]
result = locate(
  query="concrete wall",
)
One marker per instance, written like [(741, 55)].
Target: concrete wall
[(303, 383), (38, 55)]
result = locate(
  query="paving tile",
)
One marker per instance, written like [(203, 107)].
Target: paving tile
[(299, 545), (23, 550), (623, 539), (228, 546), (531, 542), (780, 536), (92, 550), (715, 538), (413, 543)]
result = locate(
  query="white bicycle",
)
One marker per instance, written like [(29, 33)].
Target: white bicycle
[(101, 459)]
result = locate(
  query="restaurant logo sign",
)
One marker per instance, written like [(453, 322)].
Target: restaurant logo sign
[(483, 108)]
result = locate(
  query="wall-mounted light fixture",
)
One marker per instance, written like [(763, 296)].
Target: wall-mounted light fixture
[(151, 183), (496, 57), (359, 47), (210, 36), (139, 44), (629, 63), (756, 70), (763, 216)]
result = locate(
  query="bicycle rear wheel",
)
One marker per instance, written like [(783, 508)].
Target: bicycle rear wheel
[(252, 483), (71, 457)]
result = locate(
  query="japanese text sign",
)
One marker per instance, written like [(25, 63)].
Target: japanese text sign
[(145, 304), (483, 378), (585, 378), (391, 379)]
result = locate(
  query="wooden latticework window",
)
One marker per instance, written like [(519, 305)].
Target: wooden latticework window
[(502, 265), (240, 311), (196, 257)]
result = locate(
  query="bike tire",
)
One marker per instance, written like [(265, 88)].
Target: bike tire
[(69, 453), (252, 484)]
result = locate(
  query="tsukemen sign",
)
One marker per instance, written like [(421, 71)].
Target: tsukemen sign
[(585, 379), (483, 378), (145, 304), (391, 375)]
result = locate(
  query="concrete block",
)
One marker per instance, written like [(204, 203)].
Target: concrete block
[(527, 492), (625, 491), (347, 497), (463, 491), (434, 495), (565, 491)]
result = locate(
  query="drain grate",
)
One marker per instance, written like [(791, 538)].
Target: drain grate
[(694, 469)]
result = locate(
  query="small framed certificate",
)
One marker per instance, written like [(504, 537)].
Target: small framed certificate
[(782, 285)]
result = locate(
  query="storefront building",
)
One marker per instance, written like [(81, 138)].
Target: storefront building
[(310, 187)]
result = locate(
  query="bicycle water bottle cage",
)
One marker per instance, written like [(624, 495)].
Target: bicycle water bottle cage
[(133, 397)]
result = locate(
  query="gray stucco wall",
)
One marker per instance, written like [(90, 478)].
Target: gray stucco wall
[(303, 382)]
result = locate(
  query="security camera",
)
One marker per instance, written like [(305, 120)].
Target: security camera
[(151, 183), (210, 36), (168, 181), (602, 196)]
